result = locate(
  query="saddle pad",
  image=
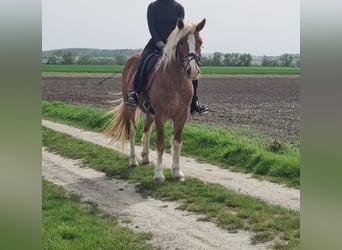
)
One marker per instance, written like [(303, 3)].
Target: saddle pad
[(146, 86), (149, 64)]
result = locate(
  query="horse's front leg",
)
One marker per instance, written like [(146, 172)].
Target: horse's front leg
[(176, 149), (133, 161), (158, 172)]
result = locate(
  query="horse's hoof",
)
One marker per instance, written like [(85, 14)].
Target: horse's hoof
[(146, 163), (178, 175), (159, 180), (181, 179), (133, 163)]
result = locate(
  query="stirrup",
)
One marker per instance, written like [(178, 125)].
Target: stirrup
[(147, 105), (198, 107), (132, 100)]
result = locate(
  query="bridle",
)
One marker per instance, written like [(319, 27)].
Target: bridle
[(186, 59)]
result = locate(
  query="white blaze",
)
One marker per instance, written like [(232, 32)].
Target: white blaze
[(193, 65)]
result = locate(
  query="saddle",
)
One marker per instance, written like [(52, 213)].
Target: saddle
[(147, 72)]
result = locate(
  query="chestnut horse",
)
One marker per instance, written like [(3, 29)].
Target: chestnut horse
[(170, 96)]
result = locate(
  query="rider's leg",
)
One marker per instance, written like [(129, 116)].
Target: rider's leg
[(139, 79), (196, 105)]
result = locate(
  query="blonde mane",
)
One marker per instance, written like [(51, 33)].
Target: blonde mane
[(169, 51)]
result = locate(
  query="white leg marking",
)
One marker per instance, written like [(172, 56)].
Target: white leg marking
[(176, 171), (146, 147), (132, 156), (158, 171)]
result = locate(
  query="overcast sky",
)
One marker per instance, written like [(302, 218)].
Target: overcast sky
[(258, 27)]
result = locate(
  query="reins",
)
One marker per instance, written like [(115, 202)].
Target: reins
[(187, 58), (107, 78)]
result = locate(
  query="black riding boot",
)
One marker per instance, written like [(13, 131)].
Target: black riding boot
[(132, 99), (196, 105)]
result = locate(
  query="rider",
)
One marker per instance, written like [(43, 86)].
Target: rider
[(162, 16)]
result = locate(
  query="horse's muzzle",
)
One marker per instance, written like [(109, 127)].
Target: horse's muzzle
[(192, 65), (193, 74)]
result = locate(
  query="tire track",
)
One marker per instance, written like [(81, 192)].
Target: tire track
[(171, 228)]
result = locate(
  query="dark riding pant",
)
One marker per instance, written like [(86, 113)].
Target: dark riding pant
[(144, 67)]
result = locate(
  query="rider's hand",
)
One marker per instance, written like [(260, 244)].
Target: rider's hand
[(160, 45)]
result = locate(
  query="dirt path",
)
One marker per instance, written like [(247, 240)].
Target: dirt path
[(171, 228), (242, 183)]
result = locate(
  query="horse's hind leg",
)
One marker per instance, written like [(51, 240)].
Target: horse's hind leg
[(133, 161), (158, 172), (176, 149), (146, 140)]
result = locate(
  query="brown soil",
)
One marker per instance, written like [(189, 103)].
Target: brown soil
[(268, 104)]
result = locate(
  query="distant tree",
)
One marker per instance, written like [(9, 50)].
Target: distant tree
[(85, 60), (217, 59), (121, 60), (297, 64), (58, 53), (205, 61), (245, 60), (52, 60), (237, 59), (285, 60), (105, 61), (227, 59), (55, 58), (269, 62), (68, 58)]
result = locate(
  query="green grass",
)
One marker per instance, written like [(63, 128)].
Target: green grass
[(250, 70), (227, 209), (82, 68), (226, 147), (69, 224), (77, 116), (204, 70)]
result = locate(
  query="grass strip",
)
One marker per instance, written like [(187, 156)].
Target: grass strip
[(206, 70), (225, 147), (69, 224), (226, 208), (82, 68)]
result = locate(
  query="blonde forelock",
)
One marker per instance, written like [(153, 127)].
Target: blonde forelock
[(169, 51)]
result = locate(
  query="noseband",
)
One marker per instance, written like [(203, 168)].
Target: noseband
[(186, 59)]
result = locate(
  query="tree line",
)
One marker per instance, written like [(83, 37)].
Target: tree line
[(217, 59), (71, 58)]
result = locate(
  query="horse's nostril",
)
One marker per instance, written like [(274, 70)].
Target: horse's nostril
[(188, 71)]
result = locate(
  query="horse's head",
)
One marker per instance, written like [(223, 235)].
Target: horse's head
[(189, 49), (184, 47)]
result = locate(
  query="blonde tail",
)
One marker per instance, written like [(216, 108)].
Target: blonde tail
[(119, 127)]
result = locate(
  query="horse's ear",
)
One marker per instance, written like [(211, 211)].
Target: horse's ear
[(200, 26), (180, 23)]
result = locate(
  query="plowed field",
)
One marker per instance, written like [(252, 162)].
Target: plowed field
[(268, 104)]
